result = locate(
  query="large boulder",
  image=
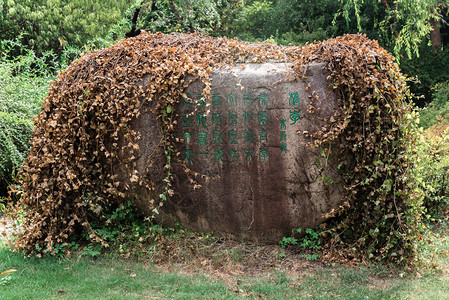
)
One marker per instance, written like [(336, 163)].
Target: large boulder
[(248, 145), (106, 134)]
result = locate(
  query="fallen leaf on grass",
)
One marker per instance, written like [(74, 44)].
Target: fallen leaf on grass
[(8, 272)]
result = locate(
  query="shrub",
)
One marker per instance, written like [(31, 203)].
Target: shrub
[(14, 135), (438, 109), (252, 19), (23, 84), (432, 167), (50, 24)]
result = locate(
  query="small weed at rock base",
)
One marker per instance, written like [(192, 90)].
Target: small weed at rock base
[(310, 242)]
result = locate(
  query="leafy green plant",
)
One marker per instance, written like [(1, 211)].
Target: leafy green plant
[(92, 250), (123, 231), (438, 110), (290, 240), (310, 241), (120, 228), (252, 19), (23, 84), (431, 168), (281, 255), (167, 16), (2, 205), (403, 23), (313, 256), (44, 25)]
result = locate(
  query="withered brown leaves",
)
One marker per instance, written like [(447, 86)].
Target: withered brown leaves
[(82, 131), (374, 128)]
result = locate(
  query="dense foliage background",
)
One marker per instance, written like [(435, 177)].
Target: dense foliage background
[(40, 38), (42, 25)]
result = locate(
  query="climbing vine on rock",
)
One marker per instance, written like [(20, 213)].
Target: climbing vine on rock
[(83, 133), (382, 214)]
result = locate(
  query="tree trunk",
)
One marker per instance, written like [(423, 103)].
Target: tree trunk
[(435, 34)]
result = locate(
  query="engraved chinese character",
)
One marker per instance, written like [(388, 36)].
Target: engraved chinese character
[(263, 99), (283, 136), (248, 135), (248, 117), (232, 137), (202, 138), (293, 99), (232, 118), (217, 118), (216, 100), (232, 100), (218, 155), (283, 121), (295, 115), (233, 154), (263, 118), (188, 156), (264, 154), (218, 136), (247, 99), (283, 148), (186, 121), (201, 120), (263, 135), (187, 137), (249, 154)]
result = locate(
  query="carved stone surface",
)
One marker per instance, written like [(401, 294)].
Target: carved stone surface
[(249, 138)]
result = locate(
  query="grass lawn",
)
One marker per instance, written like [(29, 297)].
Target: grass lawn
[(107, 278)]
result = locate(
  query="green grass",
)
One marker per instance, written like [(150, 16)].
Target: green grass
[(48, 278), (106, 278)]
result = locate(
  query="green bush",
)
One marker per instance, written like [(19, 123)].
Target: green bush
[(55, 24), (251, 21), (285, 21), (438, 109), (23, 85), (14, 135), (431, 167)]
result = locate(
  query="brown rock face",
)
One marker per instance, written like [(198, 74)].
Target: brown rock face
[(249, 137)]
